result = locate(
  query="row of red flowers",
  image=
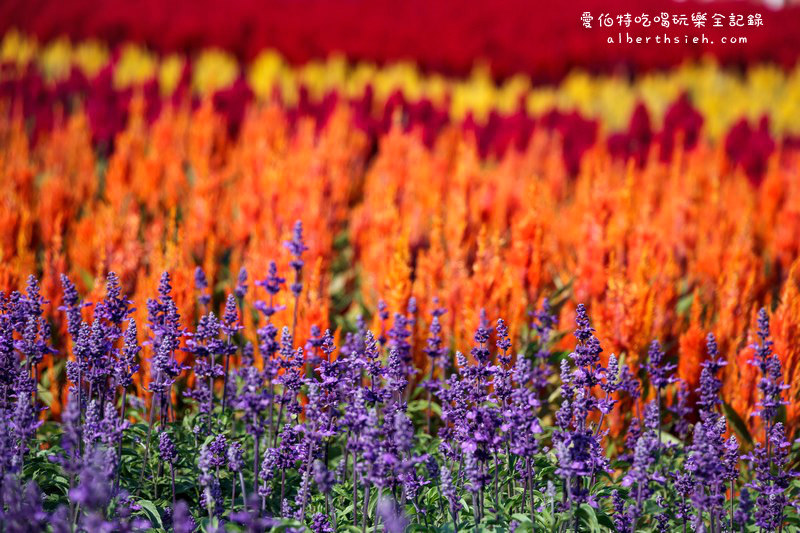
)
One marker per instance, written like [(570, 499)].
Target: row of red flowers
[(543, 40)]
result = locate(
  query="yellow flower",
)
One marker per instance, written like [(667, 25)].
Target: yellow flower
[(91, 56), (214, 70), (169, 73), (264, 72), (17, 48), (55, 60), (136, 65)]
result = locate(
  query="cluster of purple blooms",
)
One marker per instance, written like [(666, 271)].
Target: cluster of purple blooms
[(324, 437)]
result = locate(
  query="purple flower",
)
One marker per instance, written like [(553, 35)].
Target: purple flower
[(682, 410), (503, 342), (321, 524), (182, 520), (126, 366), (771, 383), (93, 492), (772, 479), (211, 497), (241, 284), (745, 508), (710, 385), (770, 460), (230, 317), (114, 308), (272, 283), (71, 305), (392, 516), (201, 284), (270, 461), (296, 247), (578, 446), (449, 492), (481, 351), (622, 513), (323, 477), (642, 472), (435, 347), (544, 325), (166, 448), (23, 506), (235, 457), (659, 371)]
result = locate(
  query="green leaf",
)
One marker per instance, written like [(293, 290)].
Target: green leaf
[(685, 303), (736, 421), (152, 513), (589, 517)]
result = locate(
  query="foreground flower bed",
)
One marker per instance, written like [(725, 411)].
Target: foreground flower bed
[(260, 433)]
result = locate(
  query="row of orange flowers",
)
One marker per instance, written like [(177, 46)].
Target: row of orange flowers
[(666, 250)]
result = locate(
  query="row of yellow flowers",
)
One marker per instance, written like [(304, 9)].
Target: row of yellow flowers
[(723, 96)]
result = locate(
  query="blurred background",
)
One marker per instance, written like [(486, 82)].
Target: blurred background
[(497, 69)]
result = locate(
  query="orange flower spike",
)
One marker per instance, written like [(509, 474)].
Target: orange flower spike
[(691, 346), (785, 329), (397, 288)]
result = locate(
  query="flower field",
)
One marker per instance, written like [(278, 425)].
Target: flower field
[(318, 278)]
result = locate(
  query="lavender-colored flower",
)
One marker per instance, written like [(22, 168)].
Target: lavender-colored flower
[(503, 342), (230, 317), (622, 516), (392, 516), (211, 497), (578, 446), (730, 459), (744, 510), (182, 520), (23, 507), (682, 410), (771, 382), (705, 460), (93, 492), (770, 460), (201, 284), (481, 351), (710, 385), (772, 479), (435, 347), (114, 308), (24, 424), (449, 491), (71, 434), (643, 471), (235, 457), (271, 460), (659, 371), (323, 477), (241, 284), (544, 325), (296, 247), (395, 373), (272, 283), (218, 448), (71, 305), (126, 366), (320, 523), (166, 448)]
